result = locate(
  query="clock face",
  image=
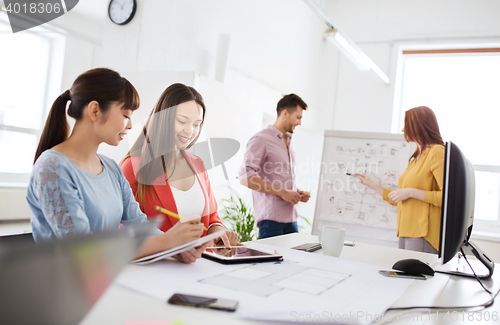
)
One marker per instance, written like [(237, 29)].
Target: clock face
[(121, 11)]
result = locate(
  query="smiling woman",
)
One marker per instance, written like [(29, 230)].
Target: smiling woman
[(160, 170)]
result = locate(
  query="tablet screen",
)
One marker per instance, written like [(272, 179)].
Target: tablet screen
[(239, 254)]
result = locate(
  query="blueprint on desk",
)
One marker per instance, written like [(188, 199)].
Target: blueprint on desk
[(302, 287)]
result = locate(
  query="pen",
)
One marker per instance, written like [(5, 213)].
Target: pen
[(172, 214), (221, 247), (351, 174), (276, 252)]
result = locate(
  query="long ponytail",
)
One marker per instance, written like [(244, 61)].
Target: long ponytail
[(102, 85), (56, 127)]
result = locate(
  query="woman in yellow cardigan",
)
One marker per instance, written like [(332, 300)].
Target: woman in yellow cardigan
[(420, 187)]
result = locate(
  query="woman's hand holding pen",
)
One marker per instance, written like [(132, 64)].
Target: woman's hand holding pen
[(365, 180), (184, 232)]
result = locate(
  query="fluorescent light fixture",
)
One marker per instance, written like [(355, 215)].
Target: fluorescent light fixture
[(347, 46), (349, 49)]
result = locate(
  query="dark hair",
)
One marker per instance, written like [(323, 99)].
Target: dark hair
[(156, 145), (290, 102), (421, 126), (103, 85)]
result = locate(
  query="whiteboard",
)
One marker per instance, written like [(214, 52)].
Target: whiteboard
[(343, 201)]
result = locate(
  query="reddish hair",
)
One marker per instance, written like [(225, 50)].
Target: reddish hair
[(421, 126)]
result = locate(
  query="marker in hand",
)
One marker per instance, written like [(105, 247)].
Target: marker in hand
[(305, 193)]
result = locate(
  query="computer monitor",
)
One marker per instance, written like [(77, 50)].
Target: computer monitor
[(57, 282), (457, 213)]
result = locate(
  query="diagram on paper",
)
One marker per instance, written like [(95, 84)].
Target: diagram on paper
[(344, 198), (267, 279)]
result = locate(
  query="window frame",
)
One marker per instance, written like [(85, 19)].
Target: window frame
[(483, 229), (53, 81)]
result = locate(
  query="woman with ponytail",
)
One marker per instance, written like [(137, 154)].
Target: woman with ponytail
[(73, 190)]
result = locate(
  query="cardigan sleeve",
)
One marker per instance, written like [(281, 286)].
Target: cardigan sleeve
[(437, 170), (386, 197), (61, 211)]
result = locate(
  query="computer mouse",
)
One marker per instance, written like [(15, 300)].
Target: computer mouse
[(413, 267)]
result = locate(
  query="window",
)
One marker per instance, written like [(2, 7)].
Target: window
[(27, 81), (461, 87)]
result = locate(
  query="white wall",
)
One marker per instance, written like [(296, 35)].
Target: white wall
[(278, 43), (13, 204), (363, 101), (276, 48)]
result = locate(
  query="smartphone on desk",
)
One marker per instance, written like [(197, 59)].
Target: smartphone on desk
[(399, 274), (308, 247), (205, 302)]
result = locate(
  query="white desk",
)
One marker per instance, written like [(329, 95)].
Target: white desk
[(119, 305)]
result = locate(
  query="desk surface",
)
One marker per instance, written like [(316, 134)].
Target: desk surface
[(121, 306)]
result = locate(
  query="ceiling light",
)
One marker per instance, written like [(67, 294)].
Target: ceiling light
[(347, 46)]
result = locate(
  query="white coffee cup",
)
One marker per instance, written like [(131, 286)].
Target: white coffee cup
[(332, 240)]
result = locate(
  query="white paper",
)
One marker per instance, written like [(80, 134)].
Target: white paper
[(176, 250), (303, 287)]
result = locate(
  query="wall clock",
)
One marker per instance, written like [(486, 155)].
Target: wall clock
[(121, 12)]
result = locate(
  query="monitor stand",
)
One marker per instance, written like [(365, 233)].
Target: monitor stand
[(483, 267)]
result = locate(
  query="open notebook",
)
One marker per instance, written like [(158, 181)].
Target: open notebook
[(179, 249)]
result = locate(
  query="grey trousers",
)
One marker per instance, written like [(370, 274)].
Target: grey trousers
[(416, 244)]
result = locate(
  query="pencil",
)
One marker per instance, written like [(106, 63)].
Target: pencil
[(172, 214)]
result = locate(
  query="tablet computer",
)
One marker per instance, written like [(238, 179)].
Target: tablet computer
[(240, 254)]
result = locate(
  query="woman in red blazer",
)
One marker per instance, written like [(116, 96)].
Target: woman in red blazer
[(160, 171)]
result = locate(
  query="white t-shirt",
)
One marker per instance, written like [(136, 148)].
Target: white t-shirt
[(190, 202)]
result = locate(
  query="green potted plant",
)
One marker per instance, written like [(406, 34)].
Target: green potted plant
[(239, 218)]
